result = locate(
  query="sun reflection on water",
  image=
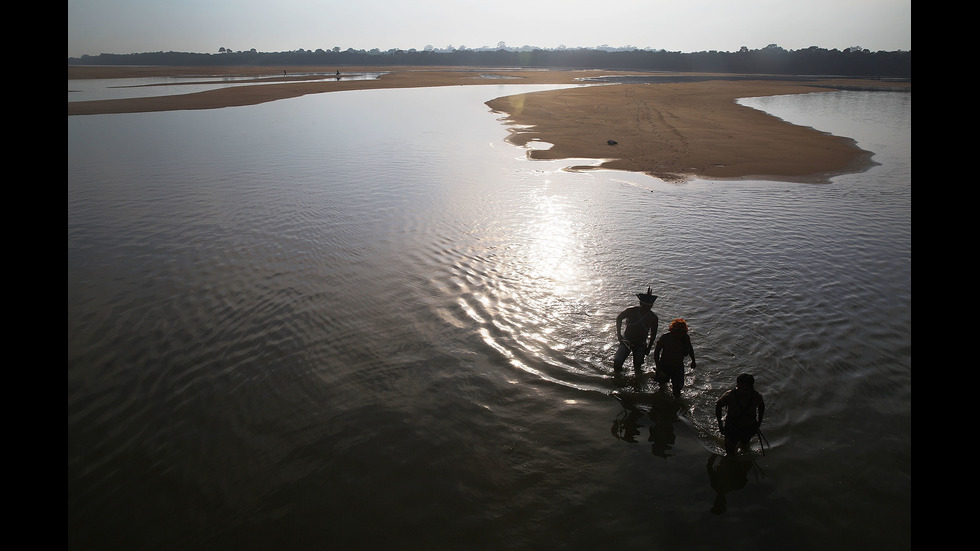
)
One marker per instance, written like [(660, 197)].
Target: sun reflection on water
[(553, 253)]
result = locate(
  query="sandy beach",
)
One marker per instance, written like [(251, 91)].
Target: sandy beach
[(672, 131)]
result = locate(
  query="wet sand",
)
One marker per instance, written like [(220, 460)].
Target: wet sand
[(672, 131)]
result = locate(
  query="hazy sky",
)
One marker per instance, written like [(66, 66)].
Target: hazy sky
[(132, 26)]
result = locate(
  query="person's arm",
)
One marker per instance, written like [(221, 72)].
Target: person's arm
[(718, 409), (762, 411), (619, 326), (690, 352), (658, 351), (653, 333)]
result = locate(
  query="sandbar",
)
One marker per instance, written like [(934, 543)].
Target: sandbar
[(674, 131)]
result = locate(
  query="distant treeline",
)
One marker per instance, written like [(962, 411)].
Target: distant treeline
[(852, 62)]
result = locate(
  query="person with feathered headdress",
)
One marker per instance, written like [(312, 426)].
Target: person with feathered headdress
[(640, 322)]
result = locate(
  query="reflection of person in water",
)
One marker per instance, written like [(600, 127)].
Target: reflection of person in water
[(663, 413), (727, 476), (626, 426), (640, 322), (745, 411), (669, 354)]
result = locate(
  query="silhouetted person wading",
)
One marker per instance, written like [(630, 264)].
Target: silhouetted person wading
[(640, 322), (669, 354), (744, 416)]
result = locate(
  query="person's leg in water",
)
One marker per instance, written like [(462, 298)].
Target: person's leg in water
[(731, 444), (745, 443), (662, 377), (638, 356), (621, 354), (738, 440), (677, 382)]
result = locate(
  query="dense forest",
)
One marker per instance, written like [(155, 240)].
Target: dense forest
[(852, 62)]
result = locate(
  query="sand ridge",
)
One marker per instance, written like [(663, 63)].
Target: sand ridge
[(680, 131)]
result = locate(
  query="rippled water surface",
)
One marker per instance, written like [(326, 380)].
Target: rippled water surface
[(361, 320)]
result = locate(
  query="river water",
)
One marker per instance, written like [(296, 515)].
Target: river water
[(362, 320)]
